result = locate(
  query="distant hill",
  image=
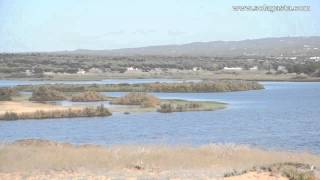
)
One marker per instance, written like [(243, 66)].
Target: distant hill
[(286, 46)]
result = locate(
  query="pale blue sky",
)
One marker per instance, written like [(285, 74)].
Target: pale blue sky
[(51, 25)]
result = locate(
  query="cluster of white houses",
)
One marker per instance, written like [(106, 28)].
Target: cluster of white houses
[(253, 68), (135, 69), (132, 69)]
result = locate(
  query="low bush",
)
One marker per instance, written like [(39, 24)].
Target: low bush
[(46, 94), (10, 116), (7, 93), (171, 107), (88, 96), (137, 98)]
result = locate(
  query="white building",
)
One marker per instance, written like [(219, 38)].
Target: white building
[(132, 69), (314, 58), (28, 72), (254, 68), (95, 71), (282, 69), (196, 69), (49, 73), (232, 68), (81, 72)]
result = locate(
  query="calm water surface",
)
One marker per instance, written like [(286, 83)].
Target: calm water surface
[(286, 115)]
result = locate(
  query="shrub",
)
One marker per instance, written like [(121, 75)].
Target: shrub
[(69, 113), (171, 107), (7, 93), (102, 111), (89, 96), (137, 98), (46, 94), (294, 174), (10, 116), (167, 108)]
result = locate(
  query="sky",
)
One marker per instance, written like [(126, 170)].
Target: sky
[(55, 25)]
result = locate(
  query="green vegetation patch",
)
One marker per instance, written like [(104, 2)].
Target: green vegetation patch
[(169, 106)]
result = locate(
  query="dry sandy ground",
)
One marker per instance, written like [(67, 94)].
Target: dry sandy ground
[(137, 176), (27, 107), (40, 159)]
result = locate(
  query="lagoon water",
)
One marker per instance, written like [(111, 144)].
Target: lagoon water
[(285, 115)]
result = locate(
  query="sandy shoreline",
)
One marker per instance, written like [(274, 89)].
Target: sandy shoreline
[(27, 107), (40, 159)]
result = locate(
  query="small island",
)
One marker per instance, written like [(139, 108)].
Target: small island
[(19, 108), (15, 106), (42, 102), (186, 87), (144, 102)]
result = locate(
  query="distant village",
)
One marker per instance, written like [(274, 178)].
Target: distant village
[(48, 65), (264, 66)]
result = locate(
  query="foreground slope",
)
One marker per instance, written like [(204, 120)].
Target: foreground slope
[(47, 159)]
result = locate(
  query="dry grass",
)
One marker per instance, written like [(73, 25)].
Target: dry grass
[(181, 161)]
